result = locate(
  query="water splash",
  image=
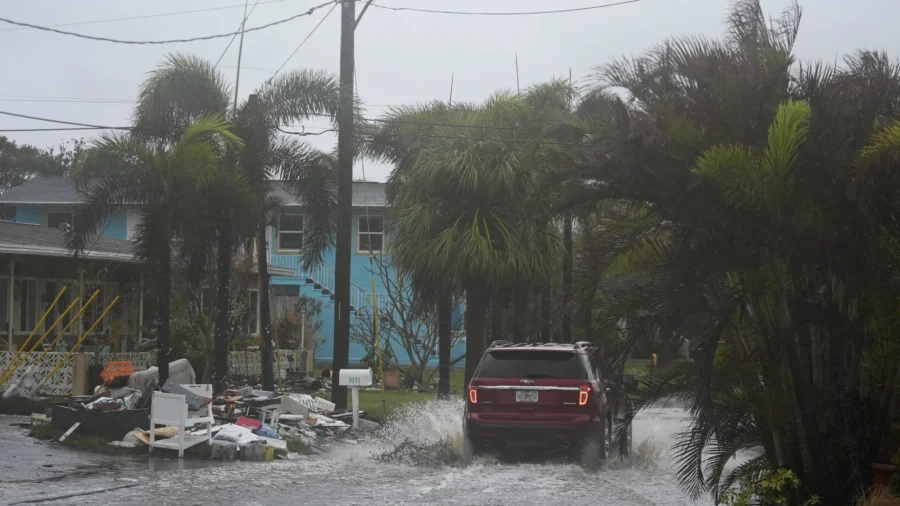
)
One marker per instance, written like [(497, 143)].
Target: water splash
[(430, 434)]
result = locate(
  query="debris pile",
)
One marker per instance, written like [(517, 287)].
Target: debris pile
[(247, 423), (300, 417)]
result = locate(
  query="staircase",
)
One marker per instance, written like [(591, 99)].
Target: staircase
[(321, 278)]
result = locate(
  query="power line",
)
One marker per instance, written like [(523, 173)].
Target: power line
[(304, 133), (61, 129), (63, 100), (171, 41), (498, 139), (526, 13), (240, 29), (451, 125), (303, 42), (87, 126), (74, 123), (146, 16)]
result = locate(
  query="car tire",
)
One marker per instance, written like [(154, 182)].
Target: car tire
[(468, 451), (594, 448)]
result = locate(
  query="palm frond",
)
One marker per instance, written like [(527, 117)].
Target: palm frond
[(299, 95), (181, 90)]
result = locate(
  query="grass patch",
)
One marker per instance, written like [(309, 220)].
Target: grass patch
[(637, 367), (42, 431)]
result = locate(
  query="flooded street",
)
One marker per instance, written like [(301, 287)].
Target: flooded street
[(353, 474)]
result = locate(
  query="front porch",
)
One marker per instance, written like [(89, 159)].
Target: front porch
[(35, 267), (30, 284)]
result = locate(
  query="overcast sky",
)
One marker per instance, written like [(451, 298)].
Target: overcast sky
[(402, 57)]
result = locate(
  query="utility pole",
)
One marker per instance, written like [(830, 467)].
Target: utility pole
[(344, 206)]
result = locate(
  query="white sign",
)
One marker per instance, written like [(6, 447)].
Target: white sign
[(355, 378)]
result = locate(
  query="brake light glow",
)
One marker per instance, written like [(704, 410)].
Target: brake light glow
[(473, 395), (584, 392)]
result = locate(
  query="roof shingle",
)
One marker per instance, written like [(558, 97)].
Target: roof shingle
[(26, 236), (62, 190)]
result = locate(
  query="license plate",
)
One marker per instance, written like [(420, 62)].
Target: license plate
[(526, 396)]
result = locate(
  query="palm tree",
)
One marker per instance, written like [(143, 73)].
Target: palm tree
[(464, 207), (389, 143), (162, 180), (753, 204), (185, 87)]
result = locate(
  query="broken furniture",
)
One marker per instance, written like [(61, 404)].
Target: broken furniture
[(172, 410)]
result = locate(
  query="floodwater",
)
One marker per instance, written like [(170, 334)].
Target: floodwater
[(425, 470)]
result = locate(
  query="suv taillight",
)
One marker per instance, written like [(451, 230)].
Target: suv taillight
[(584, 393), (473, 395)]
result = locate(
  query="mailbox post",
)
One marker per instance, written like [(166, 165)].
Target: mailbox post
[(355, 378)]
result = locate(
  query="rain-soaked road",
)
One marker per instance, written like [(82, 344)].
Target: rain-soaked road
[(347, 475)]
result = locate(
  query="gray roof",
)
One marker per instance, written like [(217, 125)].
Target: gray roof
[(43, 190), (61, 190), (364, 194), (38, 240)]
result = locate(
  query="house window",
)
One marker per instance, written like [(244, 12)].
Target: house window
[(54, 220), (290, 232), (25, 304), (370, 236)]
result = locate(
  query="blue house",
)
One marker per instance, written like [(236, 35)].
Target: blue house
[(50, 202)]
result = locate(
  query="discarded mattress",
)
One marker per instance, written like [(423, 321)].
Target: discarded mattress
[(180, 371)]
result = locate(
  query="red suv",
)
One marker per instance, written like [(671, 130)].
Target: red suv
[(535, 398)]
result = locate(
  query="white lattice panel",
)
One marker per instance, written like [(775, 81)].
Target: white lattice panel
[(139, 360), (247, 363), (59, 384), (240, 363)]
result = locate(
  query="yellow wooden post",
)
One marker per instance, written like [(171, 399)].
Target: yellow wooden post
[(277, 346), (377, 338), (66, 328), (81, 340), (15, 359), (18, 364)]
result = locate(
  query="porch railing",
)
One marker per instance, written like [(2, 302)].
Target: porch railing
[(322, 277)]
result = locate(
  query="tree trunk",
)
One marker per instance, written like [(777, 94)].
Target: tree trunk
[(209, 369), (802, 395), (445, 314), (223, 307), (546, 311), (568, 258), (475, 323), (520, 314), (265, 315), (164, 333), (496, 318)]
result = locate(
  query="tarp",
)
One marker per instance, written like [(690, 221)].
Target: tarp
[(180, 371)]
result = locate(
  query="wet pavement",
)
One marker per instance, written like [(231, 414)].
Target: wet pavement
[(349, 474)]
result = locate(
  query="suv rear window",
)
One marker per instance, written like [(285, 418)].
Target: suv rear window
[(532, 365)]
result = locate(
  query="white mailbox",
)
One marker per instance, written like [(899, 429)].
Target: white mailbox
[(355, 378)]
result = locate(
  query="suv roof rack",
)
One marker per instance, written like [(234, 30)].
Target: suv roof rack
[(500, 342), (584, 344)]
